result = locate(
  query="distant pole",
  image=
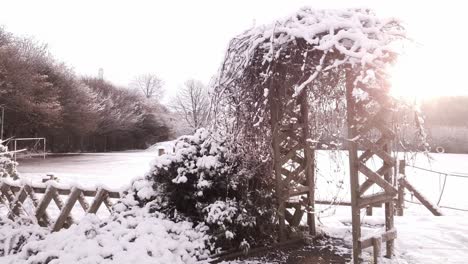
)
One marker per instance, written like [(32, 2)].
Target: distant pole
[(3, 118)]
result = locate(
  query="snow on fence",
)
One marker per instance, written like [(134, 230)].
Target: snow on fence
[(13, 195)]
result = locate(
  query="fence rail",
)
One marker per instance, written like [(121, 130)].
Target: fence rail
[(14, 195)]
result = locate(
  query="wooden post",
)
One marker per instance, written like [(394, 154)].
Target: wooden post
[(309, 158), (389, 207), (369, 210), (353, 168), (273, 97), (160, 151), (401, 189), (377, 248)]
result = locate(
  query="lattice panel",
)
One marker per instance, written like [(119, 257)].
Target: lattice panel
[(293, 162), (14, 197)]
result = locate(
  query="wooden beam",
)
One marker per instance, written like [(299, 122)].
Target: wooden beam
[(430, 206), (84, 204), (17, 203), (100, 196), (377, 151), (376, 198), (377, 179), (44, 221), (65, 212), (44, 202), (353, 164), (386, 236)]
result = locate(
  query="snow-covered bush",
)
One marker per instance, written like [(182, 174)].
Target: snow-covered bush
[(133, 236), (203, 180), (7, 165)]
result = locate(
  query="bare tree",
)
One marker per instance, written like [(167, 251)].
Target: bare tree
[(193, 104), (149, 84)]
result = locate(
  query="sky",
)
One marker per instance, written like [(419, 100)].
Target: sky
[(178, 40)]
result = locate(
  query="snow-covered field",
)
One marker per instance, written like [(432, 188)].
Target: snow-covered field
[(114, 170), (422, 238)]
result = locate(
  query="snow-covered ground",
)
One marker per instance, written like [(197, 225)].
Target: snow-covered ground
[(114, 170), (422, 238)]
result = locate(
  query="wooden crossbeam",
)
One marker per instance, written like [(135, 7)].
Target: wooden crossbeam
[(376, 198), (367, 154), (377, 179), (292, 176), (375, 149), (290, 154), (430, 206), (386, 236), (368, 182), (65, 191), (300, 190)]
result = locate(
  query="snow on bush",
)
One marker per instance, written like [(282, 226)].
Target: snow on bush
[(7, 165), (133, 236), (204, 181)]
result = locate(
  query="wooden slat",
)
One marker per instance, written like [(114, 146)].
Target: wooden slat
[(44, 202), (430, 206), (44, 221), (100, 196), (296, 219), (292, 152), (377, 198), (5, 188), (17, 203), (58, 201), (65, 212), (299, 191), (367, 154), (292, 176), (84, 204), (386, 236), (377, 248), (108, 204), (377, 151), (368, 183), (87, 193), (377, 179)]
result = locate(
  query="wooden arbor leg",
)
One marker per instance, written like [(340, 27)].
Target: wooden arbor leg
[(372, 121), (353, 171)]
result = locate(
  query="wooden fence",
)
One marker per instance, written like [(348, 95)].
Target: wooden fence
[(13, 196)]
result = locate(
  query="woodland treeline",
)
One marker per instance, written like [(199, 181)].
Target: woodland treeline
[(42, 97)]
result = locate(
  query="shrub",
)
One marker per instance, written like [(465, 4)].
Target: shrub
[(203, 180), (7, 165)]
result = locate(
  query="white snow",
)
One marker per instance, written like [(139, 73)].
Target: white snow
[(132, 237), (422, 238)]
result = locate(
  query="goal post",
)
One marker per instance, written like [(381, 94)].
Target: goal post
[(30, 146)]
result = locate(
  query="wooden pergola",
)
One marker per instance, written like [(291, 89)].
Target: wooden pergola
[(268, 79)]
